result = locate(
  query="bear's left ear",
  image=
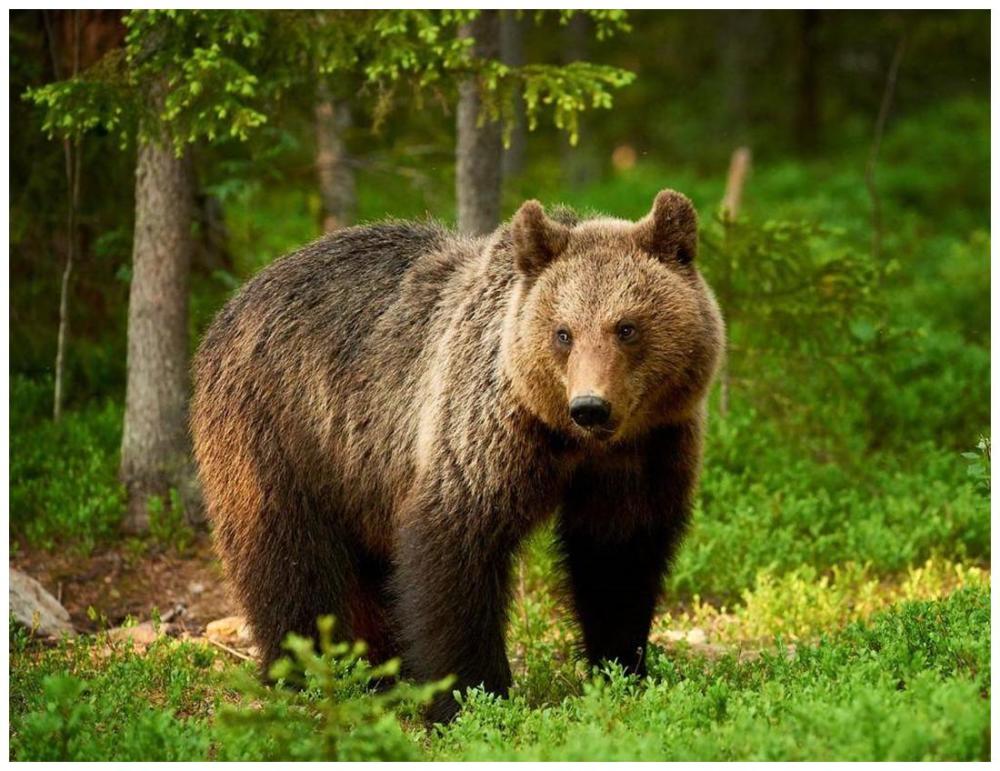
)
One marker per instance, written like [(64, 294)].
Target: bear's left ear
[(670, 230), (537, 240)]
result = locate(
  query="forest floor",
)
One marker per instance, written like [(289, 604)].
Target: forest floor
[(129, 583), (848, 667), (126, 580)]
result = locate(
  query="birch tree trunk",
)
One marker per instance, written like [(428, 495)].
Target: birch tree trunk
[(155, 445), (479, 149)]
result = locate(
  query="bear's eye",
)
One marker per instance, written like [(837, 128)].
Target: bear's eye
[(563, 337), (626, 332)]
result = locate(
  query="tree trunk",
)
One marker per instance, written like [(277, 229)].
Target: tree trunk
[(807, 115), (336, 178), (512, 54), (479, 148), (72, 155), (734, 39), (155, 445), (578, 163)]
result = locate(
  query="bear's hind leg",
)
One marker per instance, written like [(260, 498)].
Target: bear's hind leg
[(288, 565), (368, 608)]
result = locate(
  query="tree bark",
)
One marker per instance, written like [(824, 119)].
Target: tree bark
[(155, 445), (512, 54), (336, 178), (739, 169), (72, 154), (479, 149)]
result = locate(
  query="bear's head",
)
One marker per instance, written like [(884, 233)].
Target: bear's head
[(611, 330)]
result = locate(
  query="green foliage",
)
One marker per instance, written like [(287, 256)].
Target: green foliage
[(168, 523), (765, 503), (327, 705), (914, 684), (979, 464), (791, 288), (804, 603), (911, 684), (64, 476), (81, 703), (214, 75)]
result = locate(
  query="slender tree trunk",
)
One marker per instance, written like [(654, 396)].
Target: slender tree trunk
[(478, 174), (211, 249), (883, 116), (155, 445), (739, 170), (512, 53), (336, 178), (807, 114), (71, 152), (578, 164)]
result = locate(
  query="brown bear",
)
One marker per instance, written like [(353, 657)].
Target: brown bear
[(382, 417)]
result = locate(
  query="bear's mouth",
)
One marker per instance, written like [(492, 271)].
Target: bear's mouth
[(600, 433)]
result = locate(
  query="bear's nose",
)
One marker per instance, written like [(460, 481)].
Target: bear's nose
[(589, 411)]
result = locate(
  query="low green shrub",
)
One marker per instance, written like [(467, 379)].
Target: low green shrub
[(89, 700), (64, 476), (323, 707), (912, 685)]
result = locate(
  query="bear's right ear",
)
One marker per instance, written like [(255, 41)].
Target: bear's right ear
[(670, 230), (536, 239)]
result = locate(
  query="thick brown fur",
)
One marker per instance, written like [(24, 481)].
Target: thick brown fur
[(381, 417)]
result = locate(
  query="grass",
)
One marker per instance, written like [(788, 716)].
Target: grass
[(910, 683)]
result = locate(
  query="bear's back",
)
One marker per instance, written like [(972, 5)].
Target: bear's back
[(316, 357), (323, 292)]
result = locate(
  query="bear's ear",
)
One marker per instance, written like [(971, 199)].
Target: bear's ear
[(536, 239), (670, 230)]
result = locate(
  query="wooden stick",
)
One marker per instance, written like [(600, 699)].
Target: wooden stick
[(227, 649), (739, 170)]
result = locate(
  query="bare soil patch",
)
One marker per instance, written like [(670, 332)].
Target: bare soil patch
[(134, 579)]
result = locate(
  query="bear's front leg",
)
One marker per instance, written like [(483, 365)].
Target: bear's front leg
[(618, 527), (452, 584), (615, 582)]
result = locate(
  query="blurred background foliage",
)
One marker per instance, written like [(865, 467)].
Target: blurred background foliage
[(835, 353)]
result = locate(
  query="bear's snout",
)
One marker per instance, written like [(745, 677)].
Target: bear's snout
[(590, 411)]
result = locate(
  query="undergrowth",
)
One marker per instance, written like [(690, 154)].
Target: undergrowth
[(912, 683)]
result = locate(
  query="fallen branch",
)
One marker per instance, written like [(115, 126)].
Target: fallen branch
[(227, 649)]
